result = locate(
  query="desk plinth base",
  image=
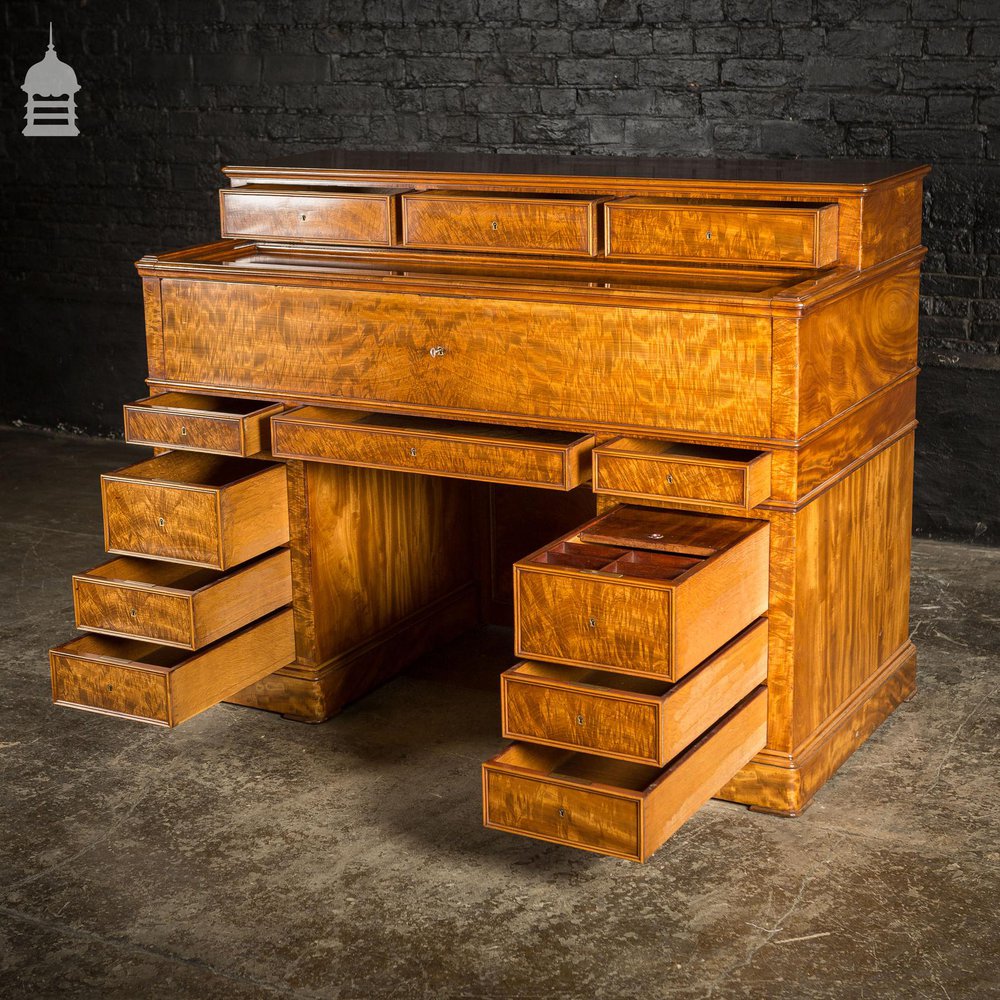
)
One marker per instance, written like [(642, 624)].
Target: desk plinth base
[(784, 785)]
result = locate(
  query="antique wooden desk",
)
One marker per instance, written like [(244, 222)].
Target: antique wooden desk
[(677, 395)]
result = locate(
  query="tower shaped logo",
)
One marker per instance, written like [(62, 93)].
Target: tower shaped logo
[(51, 88)]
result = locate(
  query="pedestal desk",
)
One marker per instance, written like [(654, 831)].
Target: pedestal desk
[(677, 395)]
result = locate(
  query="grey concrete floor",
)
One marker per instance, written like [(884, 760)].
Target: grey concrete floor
[(243, 856)]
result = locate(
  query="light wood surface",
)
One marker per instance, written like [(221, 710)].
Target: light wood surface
[(799, 235), (613, 807), (192, 422), (345, 217), (546, 459), (165, 686), (464, 221)]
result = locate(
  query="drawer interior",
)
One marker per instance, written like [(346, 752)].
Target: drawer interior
[(583, 677), (188, 468), (673, 450), (133, 652), (152, 573), (616, 561), (579, 767), (189, 402)]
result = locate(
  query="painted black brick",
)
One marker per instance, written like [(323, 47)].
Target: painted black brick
[(173, 90)]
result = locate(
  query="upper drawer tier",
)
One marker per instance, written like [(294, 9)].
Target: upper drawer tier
[(456, 220), (797, 235), (549, 459), (365, 216)]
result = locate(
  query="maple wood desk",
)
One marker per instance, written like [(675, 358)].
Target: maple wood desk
[(677, 395)]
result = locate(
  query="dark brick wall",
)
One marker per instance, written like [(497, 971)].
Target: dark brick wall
[(174, 89)]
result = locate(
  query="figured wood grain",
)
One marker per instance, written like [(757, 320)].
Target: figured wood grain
[(466, 221), (629, 718), (613, 807), (549, 360), (153, 312), (642, 469), (298, 216), (207, 424), (546, 459), (166, 686), (193, 508), (891, 217), (752, 232)]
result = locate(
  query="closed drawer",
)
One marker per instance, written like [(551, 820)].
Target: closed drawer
[(200, 423), (658, 470), (196, 509), (162, 685), (640, 719), (548, 459), (613, 807), (456, 220), (793, 234), (641, 591), (175, 604), (361, 216)]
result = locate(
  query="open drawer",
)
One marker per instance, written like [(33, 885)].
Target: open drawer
[(162, 685), (176, 604), (610, 806), (667, 470), (640, 719), (193, 422), (526, 457), (197, 509), (642, 591)]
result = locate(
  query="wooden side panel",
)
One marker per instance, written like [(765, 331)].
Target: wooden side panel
[(852, 583), (554, 361), (856, 344), (154, 326), (891, 216), (254, 515)]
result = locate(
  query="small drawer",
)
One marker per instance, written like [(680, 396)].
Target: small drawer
[(548, 459), (795, 234), (610, 806), (162, 685), (196, 509), (639, 719), (361, 216), (178, 605), (457, 220), (211, 424), (664, 470), (641, 591)]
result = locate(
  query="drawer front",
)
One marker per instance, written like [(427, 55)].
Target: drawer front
[(514, 225), (155, 603), (165, 522), (658, 470), (181, 420), (166, 686), (556, 812), (551, 460), (310, 217), (794, 235), (592, 622), (543, 361), (577, 718)]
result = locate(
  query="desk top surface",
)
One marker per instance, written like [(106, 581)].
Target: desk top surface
[(338, 162)]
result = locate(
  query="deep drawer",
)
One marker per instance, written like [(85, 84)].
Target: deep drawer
[(793, 234), (612, 807), (351, 217), (640, 719), (192, 422), (165, 686), (549, 459), (457, 220), (663, 470), (177, 605), (196, 509), (641, 591)]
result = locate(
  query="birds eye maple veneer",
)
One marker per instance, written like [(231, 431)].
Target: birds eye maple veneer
[(677, 396)]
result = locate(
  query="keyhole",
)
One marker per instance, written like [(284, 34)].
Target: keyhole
[(303, 218), (413, 453), (562, 813), (184, 431), (494, 225), (162, 522), (592, 622), (111, 687), (579, 720), (670, 479), (708, 235), (134, 612)]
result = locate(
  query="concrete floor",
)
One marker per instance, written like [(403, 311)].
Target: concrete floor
[(242, 856)]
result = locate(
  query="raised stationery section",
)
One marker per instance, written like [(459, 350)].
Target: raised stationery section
[(657, 415)]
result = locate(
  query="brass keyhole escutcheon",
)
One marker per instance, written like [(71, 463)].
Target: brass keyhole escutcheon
[(670, 479), (494, 225), (592, 622), (437, 352), (708, 235), (562, 813), (579, 720), (111, 687), (162, 522), (413, 453), (134, 612), (184, 431)]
